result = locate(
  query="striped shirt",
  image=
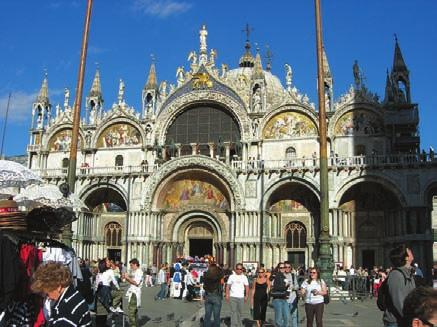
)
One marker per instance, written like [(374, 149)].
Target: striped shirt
[(70, 310)]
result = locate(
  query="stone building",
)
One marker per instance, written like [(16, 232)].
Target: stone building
[(225, 162)]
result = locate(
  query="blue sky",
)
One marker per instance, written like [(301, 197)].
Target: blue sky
[(38, 35)]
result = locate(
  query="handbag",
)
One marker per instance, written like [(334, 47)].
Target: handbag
[(326, 297)]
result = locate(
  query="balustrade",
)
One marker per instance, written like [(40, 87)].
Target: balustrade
[(391, 160)]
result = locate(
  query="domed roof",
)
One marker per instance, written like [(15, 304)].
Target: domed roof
[(274, 87)]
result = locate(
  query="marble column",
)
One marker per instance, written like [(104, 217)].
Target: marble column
[(211, 146), (228, 152)]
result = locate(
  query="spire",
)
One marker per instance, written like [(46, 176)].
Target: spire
[(398, 60), (151, 83), (388, 89), (247, 59), (43, 96), (326, 69), (258, 68), (96, 88)]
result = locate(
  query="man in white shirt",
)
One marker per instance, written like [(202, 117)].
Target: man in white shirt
[(237, 293), (135, 279)]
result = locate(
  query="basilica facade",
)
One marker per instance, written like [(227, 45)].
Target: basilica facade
[(225, 162)]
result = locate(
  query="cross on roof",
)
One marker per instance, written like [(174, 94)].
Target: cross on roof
[(247, 30)]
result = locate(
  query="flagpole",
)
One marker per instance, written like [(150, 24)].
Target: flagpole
[(324, 260), (68, 233), (5, 124)]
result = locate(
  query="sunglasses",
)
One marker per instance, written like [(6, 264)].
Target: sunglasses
[(313, 272), (282, 267), (261, 272), (238, 268), (287, 266)]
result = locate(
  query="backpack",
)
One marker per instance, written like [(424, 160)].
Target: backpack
[(279, 289), (384, 300), (177, 277)]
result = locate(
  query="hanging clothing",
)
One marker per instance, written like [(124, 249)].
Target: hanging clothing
[(9, 268)]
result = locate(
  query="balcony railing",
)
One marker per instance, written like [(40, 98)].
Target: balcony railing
[(385, 161)]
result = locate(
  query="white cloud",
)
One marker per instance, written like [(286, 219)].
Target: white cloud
[(20, 108), (161, 8)]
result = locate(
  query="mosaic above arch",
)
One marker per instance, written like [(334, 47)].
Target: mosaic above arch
[(61, 141), (119, 135), (287, 205), (189, 192), (358, 122), (289, 124)]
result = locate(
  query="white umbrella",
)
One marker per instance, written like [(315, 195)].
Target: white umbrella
[(48, 195), (13, 174)]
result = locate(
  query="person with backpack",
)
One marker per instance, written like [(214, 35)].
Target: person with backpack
[(398, 284), (313, 290), (212, 284), (279, 293), (293, 286)]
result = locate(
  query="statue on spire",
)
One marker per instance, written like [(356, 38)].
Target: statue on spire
[(121, 92), (288, 76), (202, 35), (358, 76), (203, 57), (66, 97)]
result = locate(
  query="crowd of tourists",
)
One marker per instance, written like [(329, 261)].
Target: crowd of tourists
[(401, 297)]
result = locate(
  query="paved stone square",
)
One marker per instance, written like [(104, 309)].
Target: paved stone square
[(172, 312)]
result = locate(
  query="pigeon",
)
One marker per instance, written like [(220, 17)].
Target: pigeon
[(355, 314), (170, 316), (157, 319)]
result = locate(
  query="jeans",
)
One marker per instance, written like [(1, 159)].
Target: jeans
[(281, 312), (213, 305), (162, 294), (293, 318), (236, 308)]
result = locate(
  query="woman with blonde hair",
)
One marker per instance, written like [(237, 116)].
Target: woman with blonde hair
[(54, 281)]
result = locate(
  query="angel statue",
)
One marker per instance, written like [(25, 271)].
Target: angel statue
[(288, 75), (163, 88), (180, 75), (192, 57)]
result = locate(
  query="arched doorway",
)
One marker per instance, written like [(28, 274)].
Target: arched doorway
[(113, 241), (199, 236), (293, 209), (296, 240), (103, 228), (372, 219)]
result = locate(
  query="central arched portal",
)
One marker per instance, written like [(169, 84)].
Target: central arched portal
[(198, 233), (196, 206)]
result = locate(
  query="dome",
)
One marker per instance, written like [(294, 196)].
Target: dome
[(274, 87)]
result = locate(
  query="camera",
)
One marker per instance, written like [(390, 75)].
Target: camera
[(314, 292)]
